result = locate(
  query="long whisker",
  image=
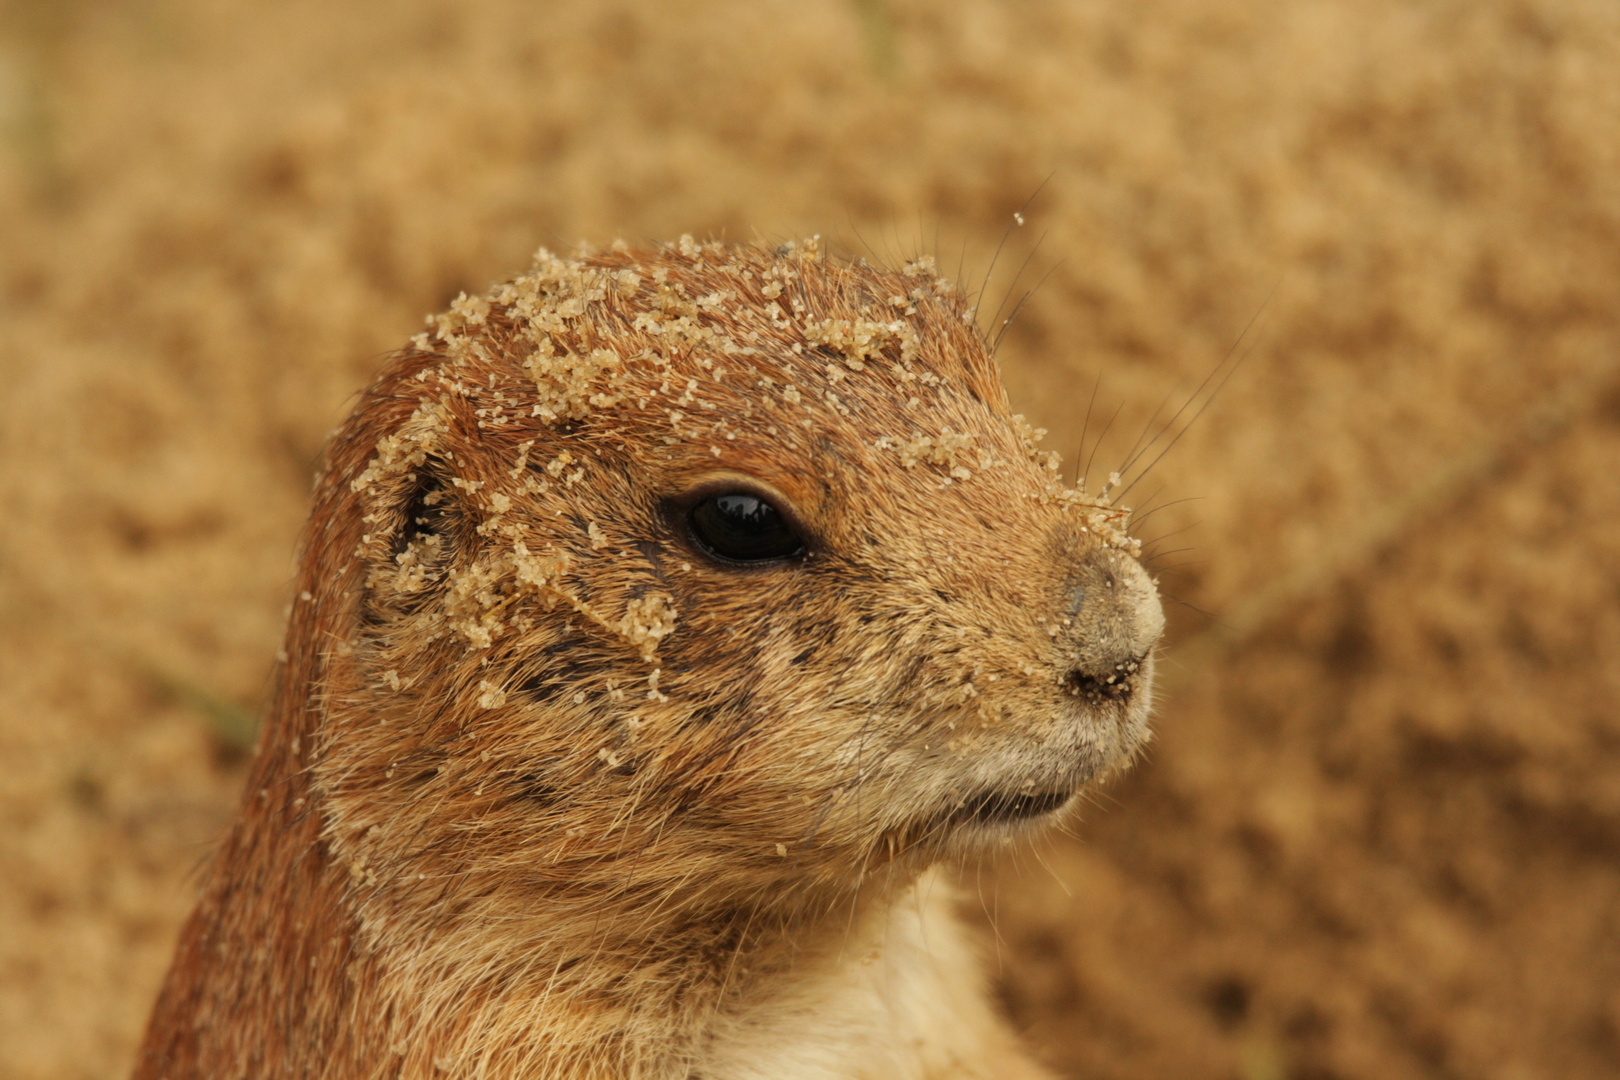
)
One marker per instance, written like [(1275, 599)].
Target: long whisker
[(1171, 444), (1210, 615), (1138, 518), (1166, 568), (1012, 286), (1166, 554), (1210, 397), (1101, 436), (1018, 219), (849, 220), (1143, 509), (1084, 428), (1006, 323), (1153, 546), (1157, 540), (1132, 454)]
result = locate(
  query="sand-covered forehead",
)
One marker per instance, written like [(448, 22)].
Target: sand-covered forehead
[(584, 326), (713, 343)]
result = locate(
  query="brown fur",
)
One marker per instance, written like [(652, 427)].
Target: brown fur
[(547, 792)]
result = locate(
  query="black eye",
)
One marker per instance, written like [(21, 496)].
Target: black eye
[(742, 528)]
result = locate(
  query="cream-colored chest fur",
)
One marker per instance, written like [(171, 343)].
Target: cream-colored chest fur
[(902, 998)]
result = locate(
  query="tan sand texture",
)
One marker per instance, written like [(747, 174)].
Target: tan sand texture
[(1379, 833)]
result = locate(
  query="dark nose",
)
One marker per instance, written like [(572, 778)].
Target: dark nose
[(1114, 620), (1117, 684)]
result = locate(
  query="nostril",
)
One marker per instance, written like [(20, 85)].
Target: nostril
[(1110, 684)]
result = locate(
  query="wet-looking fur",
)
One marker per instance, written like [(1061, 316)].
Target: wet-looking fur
[(549, 790)]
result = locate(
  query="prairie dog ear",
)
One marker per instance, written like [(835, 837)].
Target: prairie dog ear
[(420, 519), (425, 510)]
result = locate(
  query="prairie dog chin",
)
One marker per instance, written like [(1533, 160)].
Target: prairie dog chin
[(669, 613)]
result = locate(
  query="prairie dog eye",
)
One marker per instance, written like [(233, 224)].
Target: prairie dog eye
[(739, 526)]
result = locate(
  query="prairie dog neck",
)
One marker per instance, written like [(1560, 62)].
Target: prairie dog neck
[(901, 997), (891, 993)]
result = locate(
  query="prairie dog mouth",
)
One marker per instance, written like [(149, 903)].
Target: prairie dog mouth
[(1008, 808)]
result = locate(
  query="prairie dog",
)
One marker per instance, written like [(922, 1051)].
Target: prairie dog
[(664, 616)]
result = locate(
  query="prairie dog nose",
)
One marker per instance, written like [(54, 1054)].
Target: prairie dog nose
[(1115, 619)]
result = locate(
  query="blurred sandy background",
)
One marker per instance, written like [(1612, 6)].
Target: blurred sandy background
[(1379, 834)]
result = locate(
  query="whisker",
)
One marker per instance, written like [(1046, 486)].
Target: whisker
[(1162, 537), (1210, 615), (1210, 397), (1103, 436), (1143, 509), (1012, 286), (849, 220), (1017, 221), (993, 911), (1168, 567), (996, 345), (1142, 515), (1084, 428), (1034, 848), (1131, 455)]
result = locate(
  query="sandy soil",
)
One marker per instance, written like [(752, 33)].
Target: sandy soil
[(1379, 834)]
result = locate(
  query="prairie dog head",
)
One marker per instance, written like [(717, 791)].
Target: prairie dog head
[(710, 574)]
